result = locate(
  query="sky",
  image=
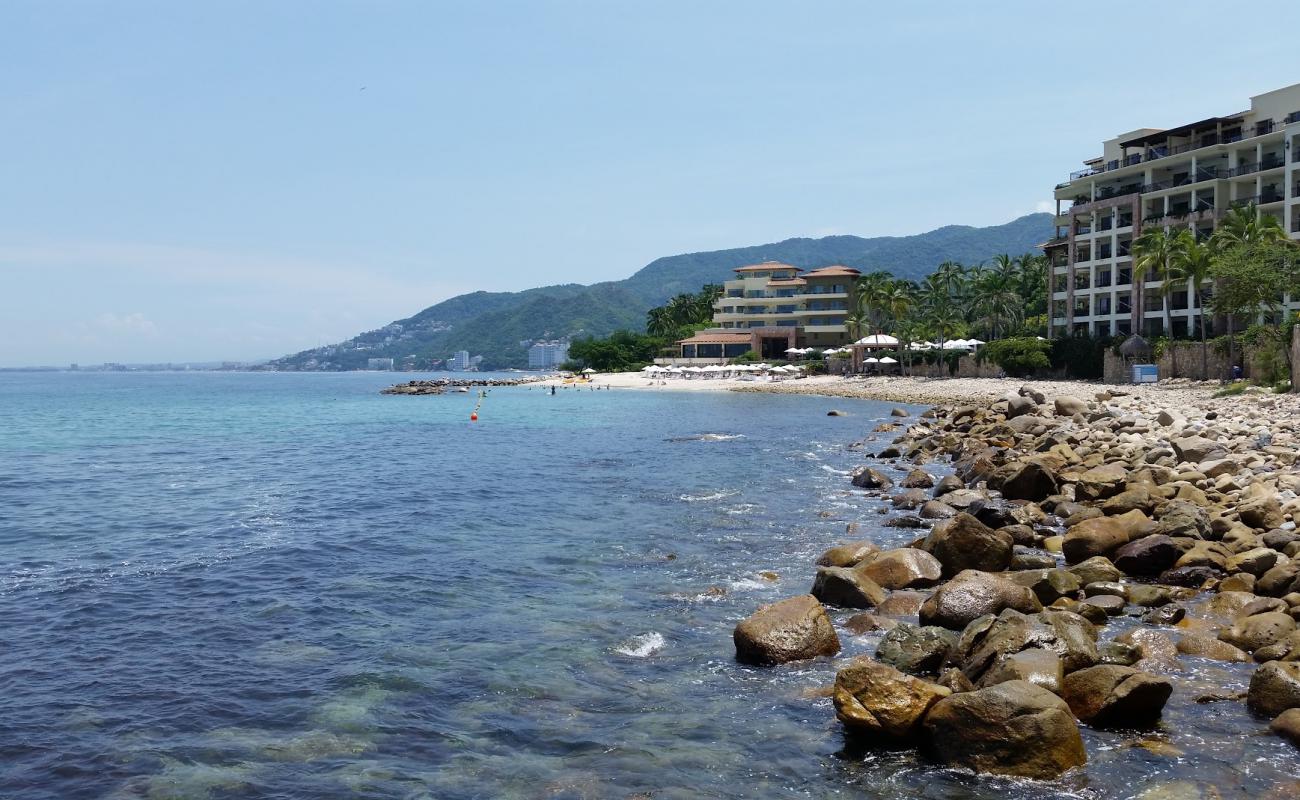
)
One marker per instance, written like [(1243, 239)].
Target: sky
[(193, 181)]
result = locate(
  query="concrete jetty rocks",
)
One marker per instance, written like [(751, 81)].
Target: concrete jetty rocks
[(1046, 519), (443, 385)]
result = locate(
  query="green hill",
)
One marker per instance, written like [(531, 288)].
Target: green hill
[(494, 323)]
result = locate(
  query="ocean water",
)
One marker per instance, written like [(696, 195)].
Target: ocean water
[(289, 586)]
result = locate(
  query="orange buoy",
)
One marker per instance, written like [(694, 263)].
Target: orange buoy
[(473, 417)]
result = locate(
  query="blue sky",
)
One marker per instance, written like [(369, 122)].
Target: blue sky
[(192, 180)]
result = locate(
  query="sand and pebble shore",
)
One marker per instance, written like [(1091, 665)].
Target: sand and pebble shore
[(1080, 550)]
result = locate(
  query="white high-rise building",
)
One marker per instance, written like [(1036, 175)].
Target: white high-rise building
[(548, 354), (459, 361), (1189, 176)]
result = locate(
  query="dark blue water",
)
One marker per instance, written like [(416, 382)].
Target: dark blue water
[(289, 586)]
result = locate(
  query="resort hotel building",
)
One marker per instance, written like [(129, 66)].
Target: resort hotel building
[(771, 307), (1184, 177)]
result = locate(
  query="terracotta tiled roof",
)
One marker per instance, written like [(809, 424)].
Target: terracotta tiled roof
[(835, 271), (788, 281), (717, 336)]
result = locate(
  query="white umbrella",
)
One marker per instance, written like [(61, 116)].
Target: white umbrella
[(871, 360), (650, 368), (588, 371), (974, 342), (877, 339), (888, 360), (793, 350)]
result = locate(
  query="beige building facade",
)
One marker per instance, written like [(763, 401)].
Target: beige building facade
[(1188, 177)]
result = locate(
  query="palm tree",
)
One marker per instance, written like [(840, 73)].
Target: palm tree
[(856, 321), (907, 331), (660, 322), (1245, 225), (898, 299), (1194, 259), (871, 291), (1153, 253)]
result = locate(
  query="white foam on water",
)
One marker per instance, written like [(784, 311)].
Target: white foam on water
[(643, 645), (703, 498)]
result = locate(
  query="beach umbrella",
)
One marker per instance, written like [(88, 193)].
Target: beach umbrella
[(871, 360), (974, 342), (877, 340), (888, 360), (649, 368), (793, 350), (588, 371)]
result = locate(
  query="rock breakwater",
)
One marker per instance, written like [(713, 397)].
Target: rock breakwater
[(444, 385), (1081, 554)]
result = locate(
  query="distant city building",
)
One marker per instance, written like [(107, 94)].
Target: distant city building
[(548, 354), (459, 362), (475, 361), (379, 363)]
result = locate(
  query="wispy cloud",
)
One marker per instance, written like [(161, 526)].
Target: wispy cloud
[(134, 324)]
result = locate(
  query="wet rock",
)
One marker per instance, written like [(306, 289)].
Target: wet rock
[(1260, 630), (793, 629), (871, 478), (878, 700), (846, 588), (859, 624), (933, 509), (1191, 577), (1274, 688), (1150, 555), (1048, 585), (1171, 614), (1281, 579), (903, 568), (1011, 728), (1110, 694), (917, 479), (835, 413), (1018, 406), (1148, 596), (1136, 499), (1095, 570), (972, 594), (1117, 653), (1036, 665), (902, 604), (946, 484), (965, 543), (1256, 561), (899, 412), (848, 555), (1028, 558), (906, 521), (916, 650), (1287, 725), (1151, 644), (1110, 605), (911, 498)]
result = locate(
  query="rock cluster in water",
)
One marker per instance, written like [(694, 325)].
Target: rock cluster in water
[(1059, 516), (441, 385)]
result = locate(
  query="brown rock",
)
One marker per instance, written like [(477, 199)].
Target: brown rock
[(972, 594), (1287, 725), (963, 543), (1260, 630), (846, 588), (879, 700), (1011, 728), (903, 568), (1101, 482), (848, 554), (1275, 687), (1108, 694), (790, 630)]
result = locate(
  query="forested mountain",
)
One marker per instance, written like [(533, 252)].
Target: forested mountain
[(494, 323)]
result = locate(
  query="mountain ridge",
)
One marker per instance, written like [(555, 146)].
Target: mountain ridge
[(495, 323)]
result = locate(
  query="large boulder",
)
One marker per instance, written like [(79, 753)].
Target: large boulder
[(1259, 630), (917, 479), (1280, 580), (879, 700), (793, 629), (1287, 725), (985, 645), (1196, 449), (1110, 694), (1206, 646), (1275, 687), (1261, 513), (871, 478), (1095, 570), (1011, 728), (916, 650), (1067, 406), (1099, 536), (972, 594), (1101, 482), (848, 554), (904, 568), (1150, 555), (846, 588), (1025, 480), (1019, 406), (1036, 665), (963, 543)]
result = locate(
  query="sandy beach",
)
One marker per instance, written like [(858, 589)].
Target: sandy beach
[(924, 391)]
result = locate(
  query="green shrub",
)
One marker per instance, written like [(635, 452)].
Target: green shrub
[(1080, 356), (1018, 357), (1233, 389)]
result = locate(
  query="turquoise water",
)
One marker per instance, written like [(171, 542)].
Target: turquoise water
[(277, 585)]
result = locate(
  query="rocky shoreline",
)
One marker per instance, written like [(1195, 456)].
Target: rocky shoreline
[(442, 385), (1046, 522)]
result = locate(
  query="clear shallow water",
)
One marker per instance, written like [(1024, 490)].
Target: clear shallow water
[(226, 585)]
